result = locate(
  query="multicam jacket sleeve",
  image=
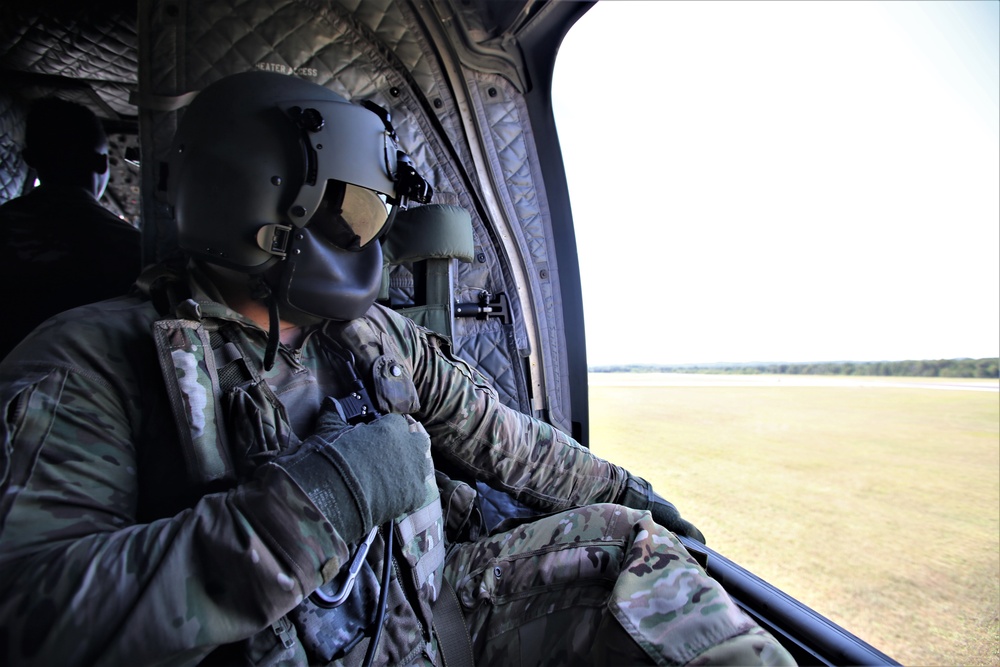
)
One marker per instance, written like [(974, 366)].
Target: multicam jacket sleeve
[(470, 427), (82, 579)]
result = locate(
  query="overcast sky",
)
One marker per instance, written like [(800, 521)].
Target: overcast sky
[(785, 181)]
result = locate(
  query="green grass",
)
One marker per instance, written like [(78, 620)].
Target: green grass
[(879, 507)]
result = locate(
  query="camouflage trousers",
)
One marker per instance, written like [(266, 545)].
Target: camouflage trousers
[(599, 585)]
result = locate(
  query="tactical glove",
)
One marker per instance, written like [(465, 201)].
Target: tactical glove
[(638, 494), (363, 475)]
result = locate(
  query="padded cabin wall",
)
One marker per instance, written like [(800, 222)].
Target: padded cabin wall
[(494, 82), (13, 169), (363, 51), (511, 149)]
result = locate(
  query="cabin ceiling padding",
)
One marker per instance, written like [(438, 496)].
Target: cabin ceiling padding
[(90, 49)]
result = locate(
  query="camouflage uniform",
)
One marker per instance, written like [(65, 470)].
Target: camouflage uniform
[(116, 547)]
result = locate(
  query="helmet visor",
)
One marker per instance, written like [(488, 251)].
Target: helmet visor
[(351, 217)]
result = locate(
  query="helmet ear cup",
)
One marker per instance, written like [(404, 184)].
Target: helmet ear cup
[(324, 281)]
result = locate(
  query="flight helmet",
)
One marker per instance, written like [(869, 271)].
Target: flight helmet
[(276, 176)]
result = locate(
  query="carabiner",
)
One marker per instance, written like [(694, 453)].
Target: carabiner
[(327, 601)]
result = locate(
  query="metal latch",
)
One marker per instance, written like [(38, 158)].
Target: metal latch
[(488, 306)]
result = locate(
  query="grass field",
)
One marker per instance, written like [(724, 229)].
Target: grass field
[(878, 505)]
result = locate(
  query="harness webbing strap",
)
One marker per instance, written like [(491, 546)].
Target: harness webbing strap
[(452, 633)]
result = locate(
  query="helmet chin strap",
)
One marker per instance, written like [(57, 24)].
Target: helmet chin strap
[(276, 308), (261, 291)]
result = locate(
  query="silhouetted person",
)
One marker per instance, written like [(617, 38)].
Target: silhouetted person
[(59, 248)]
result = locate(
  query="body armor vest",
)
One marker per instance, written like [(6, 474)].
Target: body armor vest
[(229, 420)]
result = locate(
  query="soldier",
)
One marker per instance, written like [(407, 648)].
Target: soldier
[(246, 465), (59, 248)]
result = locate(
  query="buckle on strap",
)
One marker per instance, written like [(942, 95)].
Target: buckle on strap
[(357, 406), (285, 631), (274, 239)]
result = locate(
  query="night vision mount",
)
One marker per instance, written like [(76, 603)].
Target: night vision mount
[(411, 186)]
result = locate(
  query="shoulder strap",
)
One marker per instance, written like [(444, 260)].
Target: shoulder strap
[(452, 633)]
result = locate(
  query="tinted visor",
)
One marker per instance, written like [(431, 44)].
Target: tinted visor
[(351, 217)]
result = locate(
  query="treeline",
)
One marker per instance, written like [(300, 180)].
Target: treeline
[(947, 368)]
